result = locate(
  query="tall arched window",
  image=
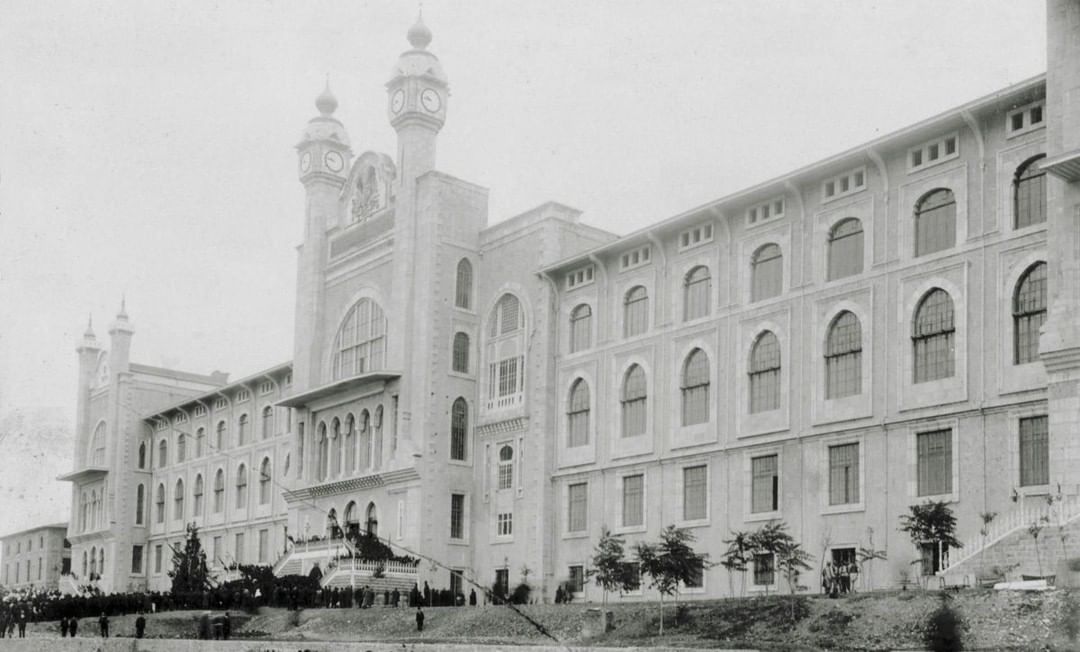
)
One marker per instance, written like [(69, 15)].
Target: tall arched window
[(97, 445), (766, 273), (460, 357), (142, 455), (505, 354), (200, 442), (463, 292), (361, 341), (241, 486), (181, 448), (163, 453), (845, 249), (82, 513), (140, 504), (507, 316), (634, 402), (697, 288), (178, 500), (93, 510), (160, 504), (242, 430), (324, 452), (843, 357), (93, 564), (459, 429), (935, 222), (101, 561), (506, 467), (267, 422), (219, 444), (372, 520), (577, 414), (350, 445), (765, 373), (695, 388), (1029, 313), (219, 491), (1029, 193), (932, 335), (85, 567), (264, 481), (635, 311), (336, 448), (580, 328), (377, 433), (197, 497), (352, 520), (365, 440)]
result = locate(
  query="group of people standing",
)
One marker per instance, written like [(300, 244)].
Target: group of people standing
[(839, 577), (9, 619)]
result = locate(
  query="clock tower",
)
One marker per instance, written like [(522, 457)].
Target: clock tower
[(417, 96)]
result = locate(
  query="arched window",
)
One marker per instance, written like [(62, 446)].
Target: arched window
[(160, 503), (336, 448), (506, 467), (377, 432), (935, 222), (845, 249), (267, 422), (695, 388), (1029, 313), (324, 452), (459, 429), (932, 335), (350, 445), (361, 341), (140, 504), (1029, 193), (332, 527), (82, 513), (162, 453), (85, 567), (219, 445), (697, 288), (843, 357), (635, 311), (178, 500), (142, 455), (97, 445), (461, 353), (507, 316), (767, 273), (634, 398), (577, 414), (372, 520), (365, 440), (765, 373), (241, 487), (352, 520), (101, 561), (200, 442), (197, 497), (463, 293), (93, 564), (181, 448), (241, 430), (264, 481), (219, 491), (580, 328)]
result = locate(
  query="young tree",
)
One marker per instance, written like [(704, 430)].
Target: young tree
[(609, 567), (189, 572), (768, 540), (735, 558), (670, 562), (866, 556), (933, 523)]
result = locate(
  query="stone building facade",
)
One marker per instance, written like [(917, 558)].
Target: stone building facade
[(36, 558), (891, 325)]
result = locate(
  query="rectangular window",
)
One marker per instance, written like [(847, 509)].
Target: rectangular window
[(695, 480), (635, 258), (934, 462), (577, 578), (770, 210), (766, 484), (579, 277), (200, 410), (502, 581), (844, 474), (136, 560), (764, 570), (238, 555), (933, 152), (1034, 451), (242, 396), (697, 577), (264, 546), (845, 184), (457, 516), (633, 500), (632, 573), (216, 551), (157, 558), (266, 387), (577, 503), (698, 235), (1025, 119), (506, 524), (456, 583)]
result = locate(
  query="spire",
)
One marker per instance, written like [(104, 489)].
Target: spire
[(326, 103), (89, 326), (122, 315)]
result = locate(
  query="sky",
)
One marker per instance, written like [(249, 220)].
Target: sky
[(147, 148)]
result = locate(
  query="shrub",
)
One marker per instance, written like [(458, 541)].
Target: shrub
[(520, 594)]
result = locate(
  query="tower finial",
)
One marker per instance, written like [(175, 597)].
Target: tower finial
[(123, 307), (89, 326), (419, 35), (326, 103)]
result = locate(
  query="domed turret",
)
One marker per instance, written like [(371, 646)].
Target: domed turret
[(418, 62), (419, 35), (325, 126), (326, 103)]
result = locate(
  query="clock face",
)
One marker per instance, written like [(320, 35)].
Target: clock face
[(305, 162), (334, 162), (430, 99), (397, 102)]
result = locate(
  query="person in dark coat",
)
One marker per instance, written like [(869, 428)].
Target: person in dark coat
[(103, 625), (22, 623), (4, 616), (419, 619), (395, 597), (73, 626), (140, 626), (204, 627), (472, 597), (427, 594), (63, 627), (226, 626), (414, 596)]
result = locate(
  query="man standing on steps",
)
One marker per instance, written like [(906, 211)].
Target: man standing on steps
[(419, 619)]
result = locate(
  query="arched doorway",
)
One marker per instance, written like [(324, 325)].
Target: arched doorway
[(372, 520), (333, 529), (352, 521)]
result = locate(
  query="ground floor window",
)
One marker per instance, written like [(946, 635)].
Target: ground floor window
[(502, 582), (577, 579), (764, 570), (632, 574), (136, 559), (456, 584)]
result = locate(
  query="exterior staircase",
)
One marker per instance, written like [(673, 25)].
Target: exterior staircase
[(345, 572), (68, 585), (1008, 548)]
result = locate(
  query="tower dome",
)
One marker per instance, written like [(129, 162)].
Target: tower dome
[(326, 103), (325, 126), (419, 35), (418, 61)]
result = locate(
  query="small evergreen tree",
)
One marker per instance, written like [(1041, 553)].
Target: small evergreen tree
[(189, 572), (609, 567), (670, 562)]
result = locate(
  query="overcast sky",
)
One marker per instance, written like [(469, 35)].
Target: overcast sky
[(146, 148)]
